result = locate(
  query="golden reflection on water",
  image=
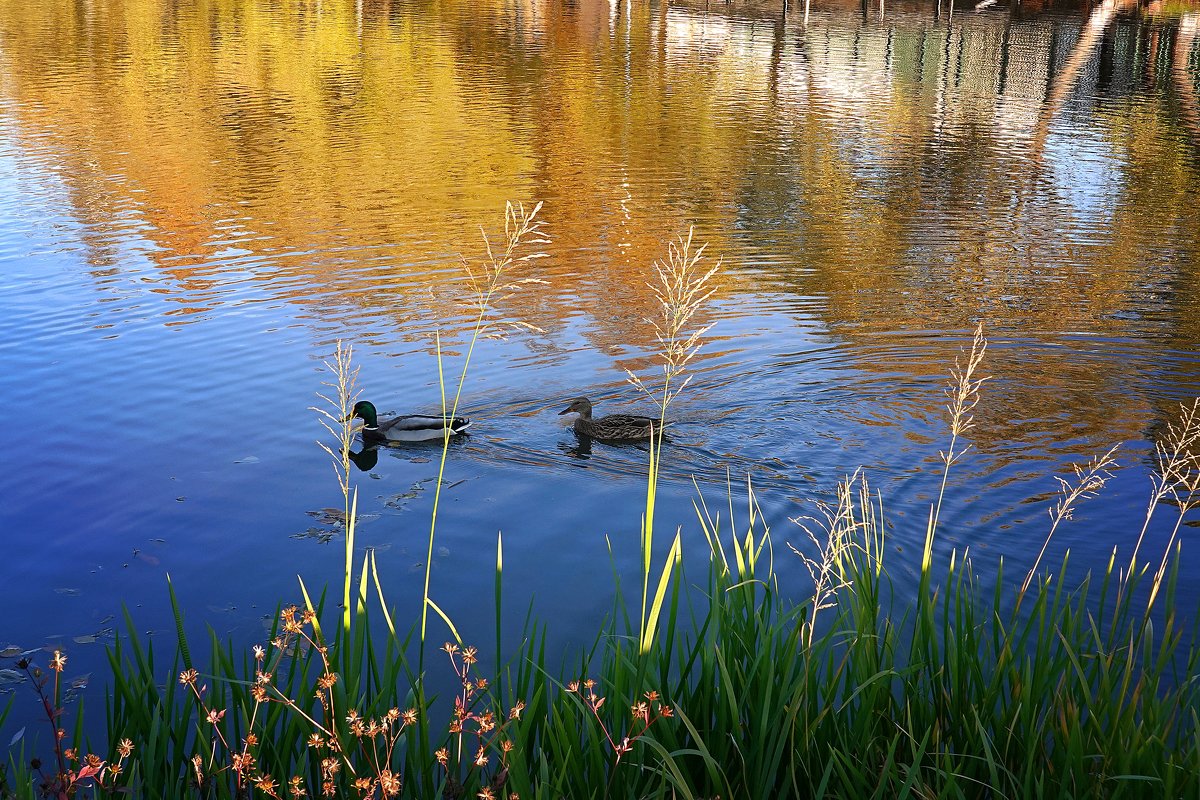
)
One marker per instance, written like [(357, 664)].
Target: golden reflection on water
[(905, 170)]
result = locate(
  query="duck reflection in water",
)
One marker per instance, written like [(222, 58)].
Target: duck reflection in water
[(581, 449), (364, 459), (368, 457)]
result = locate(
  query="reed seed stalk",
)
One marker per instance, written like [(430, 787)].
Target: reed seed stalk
[(490, 283), (964, 396), (682, 289), (340, 424), (1089, 480)]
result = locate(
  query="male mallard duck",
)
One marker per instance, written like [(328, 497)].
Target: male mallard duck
[(412, 428), (615, 427)]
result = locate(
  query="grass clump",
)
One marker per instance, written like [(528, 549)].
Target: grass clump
[(718, 685)]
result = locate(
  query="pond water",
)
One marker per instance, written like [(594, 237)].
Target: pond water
[(199, 200)]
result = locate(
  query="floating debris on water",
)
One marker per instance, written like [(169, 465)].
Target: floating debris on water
[(91, 638), (322, 535), (329, 516)]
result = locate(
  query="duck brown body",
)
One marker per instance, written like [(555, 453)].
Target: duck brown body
[(612, 428)]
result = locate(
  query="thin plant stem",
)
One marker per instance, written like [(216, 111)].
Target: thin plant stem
[(1178, 478), (490, 284), (1177, 461), (964, 396), (682, 290), (340, 423), (1089, 480)]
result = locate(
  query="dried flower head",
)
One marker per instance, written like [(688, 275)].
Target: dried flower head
[(389, 782)]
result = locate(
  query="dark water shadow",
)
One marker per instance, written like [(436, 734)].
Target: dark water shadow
[(367, 458)]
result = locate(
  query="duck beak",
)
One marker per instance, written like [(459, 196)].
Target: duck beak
[(565, 411)]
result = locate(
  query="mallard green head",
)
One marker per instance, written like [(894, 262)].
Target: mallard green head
[(581, 405), (366, 412)]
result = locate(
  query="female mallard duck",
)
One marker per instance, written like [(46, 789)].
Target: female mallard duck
[(615, 427), (412, 428)]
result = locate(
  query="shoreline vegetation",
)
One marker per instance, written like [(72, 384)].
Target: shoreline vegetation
[(699, 686)]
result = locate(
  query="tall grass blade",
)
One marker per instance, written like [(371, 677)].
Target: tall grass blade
[(445, 618), (669, 567)]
